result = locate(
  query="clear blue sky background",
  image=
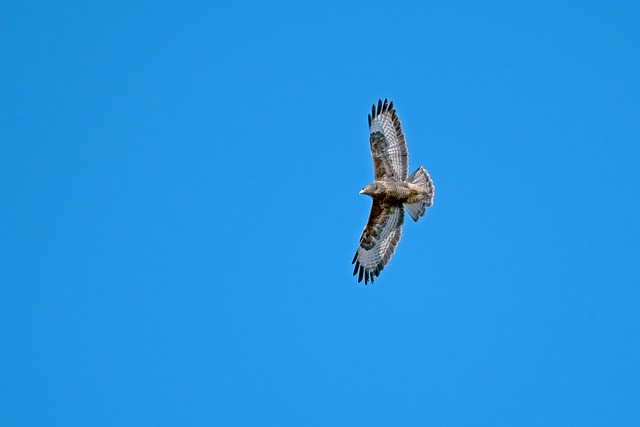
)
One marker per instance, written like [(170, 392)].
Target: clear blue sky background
[(179, 209)]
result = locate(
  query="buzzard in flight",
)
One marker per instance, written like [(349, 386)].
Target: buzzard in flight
[(391, 190)]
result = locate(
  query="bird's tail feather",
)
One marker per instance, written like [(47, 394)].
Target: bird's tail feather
[(422, 179)]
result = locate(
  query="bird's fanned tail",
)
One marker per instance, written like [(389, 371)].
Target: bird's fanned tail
[(422, 179)]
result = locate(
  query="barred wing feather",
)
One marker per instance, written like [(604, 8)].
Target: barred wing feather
[(378, 241), (388, 147)]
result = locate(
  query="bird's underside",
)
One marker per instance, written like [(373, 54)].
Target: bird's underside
[(392, 193), (397, 192)]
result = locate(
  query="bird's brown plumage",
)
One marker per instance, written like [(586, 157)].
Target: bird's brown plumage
[(391, 191), (388, 147)]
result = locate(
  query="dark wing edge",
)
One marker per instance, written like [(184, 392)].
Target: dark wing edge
[(388, 145), (378, 241)]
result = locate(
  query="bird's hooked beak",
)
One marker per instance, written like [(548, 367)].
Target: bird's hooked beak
[(361, 191)]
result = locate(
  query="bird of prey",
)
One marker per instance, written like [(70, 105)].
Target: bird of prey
[(391, 191)]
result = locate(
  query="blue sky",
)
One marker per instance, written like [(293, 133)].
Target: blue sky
[(179, 186)]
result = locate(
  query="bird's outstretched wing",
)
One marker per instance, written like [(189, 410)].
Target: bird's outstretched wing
[(378, 241), (388, 147)]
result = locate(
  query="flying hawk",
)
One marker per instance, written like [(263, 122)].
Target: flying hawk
[(391, 190)]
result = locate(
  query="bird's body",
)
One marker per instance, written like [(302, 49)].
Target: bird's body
[(392, 192), (398, 192)]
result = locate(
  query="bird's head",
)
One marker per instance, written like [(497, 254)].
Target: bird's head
[(370, 189)]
